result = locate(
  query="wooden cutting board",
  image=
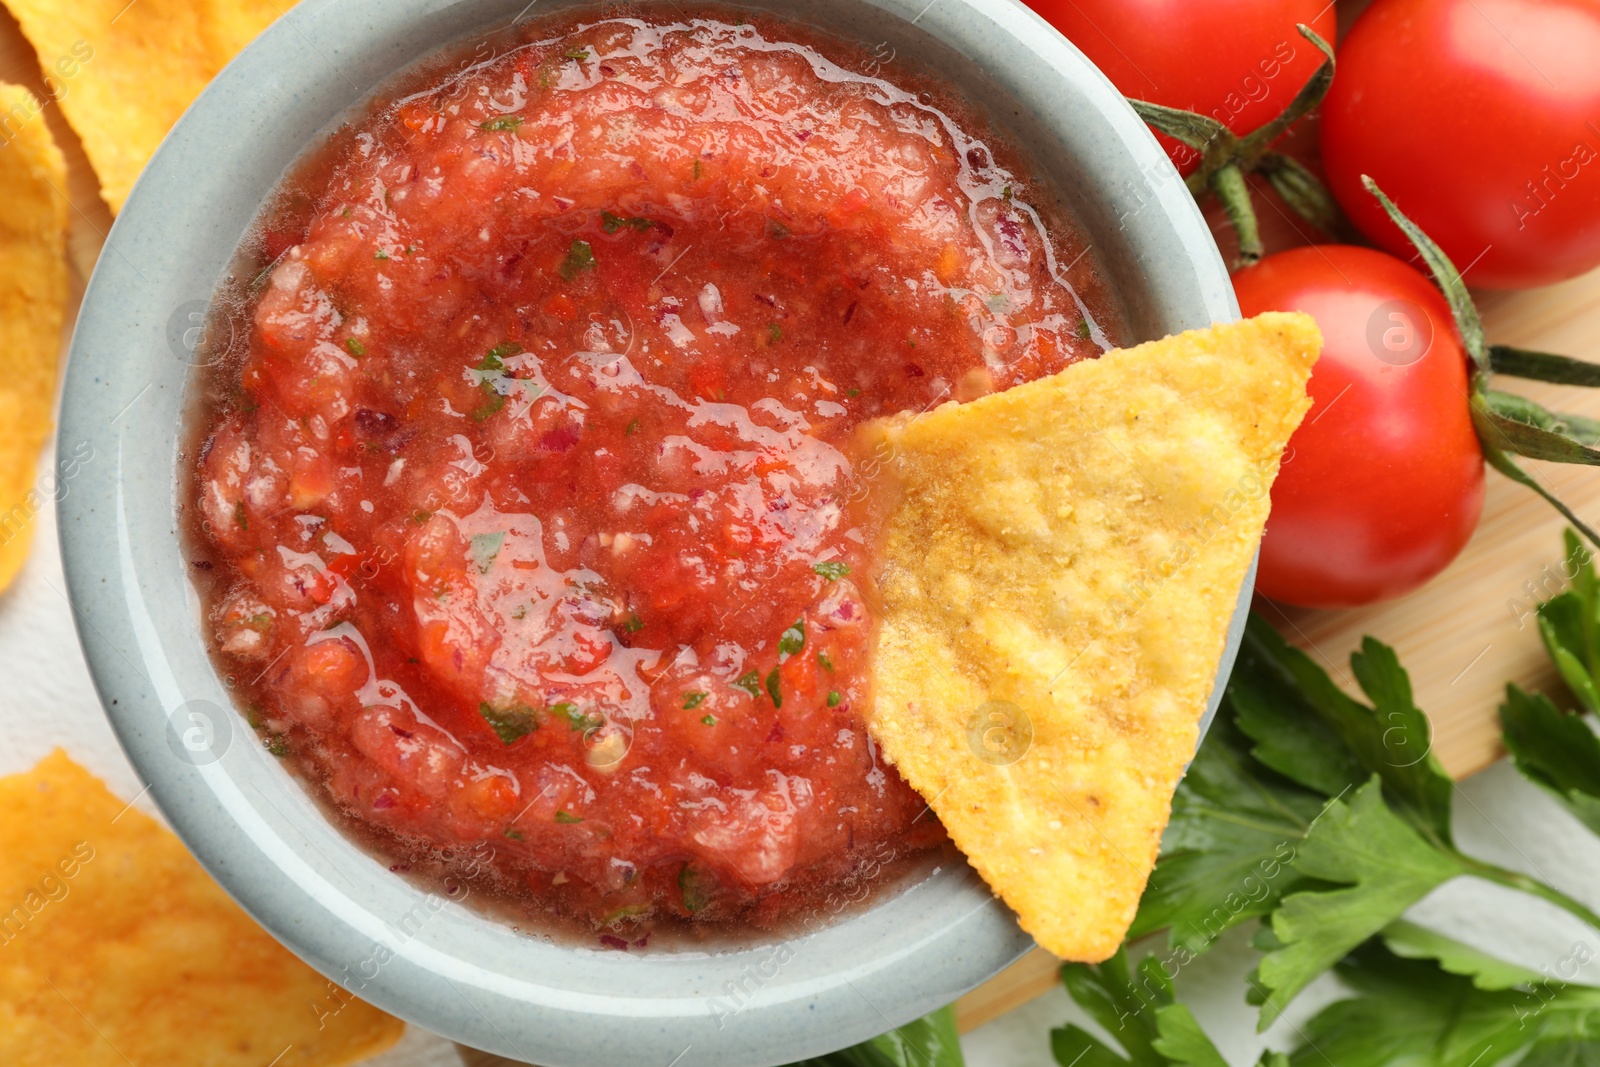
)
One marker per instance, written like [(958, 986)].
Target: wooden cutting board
[(1463, 637)]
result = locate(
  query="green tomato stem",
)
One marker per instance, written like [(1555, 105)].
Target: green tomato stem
[(1543, 366), (1234, 191), (1310, 96), (1304, 192)]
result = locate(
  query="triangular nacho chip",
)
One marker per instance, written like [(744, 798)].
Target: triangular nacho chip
[(116, 948), (123, 72), (33, 301), (1060, 570)]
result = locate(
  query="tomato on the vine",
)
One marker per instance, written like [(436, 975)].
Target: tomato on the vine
[(1240, 62), (1481, 119), (1383, 483)]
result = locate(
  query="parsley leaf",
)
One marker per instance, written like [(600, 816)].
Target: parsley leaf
[(1412, 1010), (1381, 866), (750, 682), (1392, 738), (792, 640), (580, 257), (496, 384), (1182, 1041), (1413, 942), (504, 124), (1289, 736), (930, 1041), (484, 548), (1314, 810), (1138, 1011), (1330, 818), (511, 724), (774, 688), (1569, 624), (578, 720), (1554, 751), (495, 358), (831, 569), (1561, 624), (1108, 993), (1569, 1038), (355, 346), (566, 819), (693, 700), (613, 223)]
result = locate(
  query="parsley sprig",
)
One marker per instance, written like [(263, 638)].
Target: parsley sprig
[(1559, 752), (1141, 1013), (1326, 818), (1420, 997), (1384, 839), (1570, 625)]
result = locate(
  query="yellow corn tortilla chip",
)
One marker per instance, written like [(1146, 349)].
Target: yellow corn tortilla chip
[(1060, 569), (123, 73), (117, 949), (33, 301)]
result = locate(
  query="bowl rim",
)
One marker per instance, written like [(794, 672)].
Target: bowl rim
[(431, 960)]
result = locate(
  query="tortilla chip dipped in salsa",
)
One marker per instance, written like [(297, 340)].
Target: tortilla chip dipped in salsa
[(123, 72), (117, 948), (33, 297), (1058, 579)]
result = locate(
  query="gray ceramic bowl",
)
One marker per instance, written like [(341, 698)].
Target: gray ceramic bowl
[(258, 832)]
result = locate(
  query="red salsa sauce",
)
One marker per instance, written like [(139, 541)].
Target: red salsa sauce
[(524, 502)]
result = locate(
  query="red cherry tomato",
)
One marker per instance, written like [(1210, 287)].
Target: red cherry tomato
[(1240, 62), (1383, 482), (1481, 119)]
